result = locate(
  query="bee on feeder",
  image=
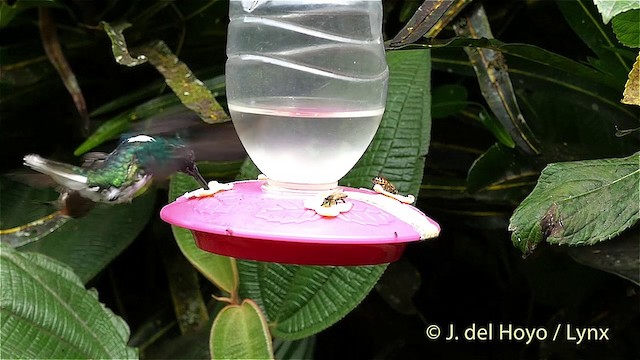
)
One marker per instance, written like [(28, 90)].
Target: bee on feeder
[(386, 185), (333, 199)]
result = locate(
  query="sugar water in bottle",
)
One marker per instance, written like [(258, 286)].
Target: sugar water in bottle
[(306, 85)]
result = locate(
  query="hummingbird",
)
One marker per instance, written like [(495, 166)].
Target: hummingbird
[(124, 173)]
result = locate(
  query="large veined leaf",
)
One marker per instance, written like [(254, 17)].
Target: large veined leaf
[(401, 144), (47, 313), (86, 244), (240, 332), (300, 301), (220, 270), (579, 203)]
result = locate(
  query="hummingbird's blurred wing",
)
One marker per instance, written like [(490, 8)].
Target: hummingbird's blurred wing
[(69, 176), (93, 159)]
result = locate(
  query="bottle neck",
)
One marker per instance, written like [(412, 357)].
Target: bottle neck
[(297, 188)]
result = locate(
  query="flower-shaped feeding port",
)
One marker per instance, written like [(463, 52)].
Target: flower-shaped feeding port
[(306, 88)]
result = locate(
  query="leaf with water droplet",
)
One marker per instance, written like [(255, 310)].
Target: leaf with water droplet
[(191, 91), (119, 45)]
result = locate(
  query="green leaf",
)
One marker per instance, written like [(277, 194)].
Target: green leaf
[(627, 28), (498, 166), (90, 243), (86, 244), (609, 9), (583, 18), (495, 83), (579, 203), (47, 313), (401, 144), (407, 9), (294, 350), (190, 90), (532, 61), (220, 170), (300, 301), (24, 64), (534, 68), (496, 128), (156, 107), (428, 20), (574, 130), (240, 332), (20, 203), (398, 286), (220, 270), (452, 193), (119, 44), (215, 84), (8, 12), (184, 284), (57, 58), (448, 100), (115, 126), (618, 256), (248, 170)]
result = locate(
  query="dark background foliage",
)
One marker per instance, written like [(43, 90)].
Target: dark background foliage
[(471, 274)]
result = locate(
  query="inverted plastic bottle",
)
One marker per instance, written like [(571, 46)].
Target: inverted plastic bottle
[(306, 85)]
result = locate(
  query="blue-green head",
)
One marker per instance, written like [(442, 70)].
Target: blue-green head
[(161, 156)]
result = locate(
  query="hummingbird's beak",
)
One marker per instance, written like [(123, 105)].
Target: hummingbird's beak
[(193, 171)]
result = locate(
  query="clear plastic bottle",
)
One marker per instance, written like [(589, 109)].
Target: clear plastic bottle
[(306, 85)]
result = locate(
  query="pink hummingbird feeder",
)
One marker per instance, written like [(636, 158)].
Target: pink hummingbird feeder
[(306, 89)]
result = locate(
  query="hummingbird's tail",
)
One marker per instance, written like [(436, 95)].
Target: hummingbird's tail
[(66, 175)]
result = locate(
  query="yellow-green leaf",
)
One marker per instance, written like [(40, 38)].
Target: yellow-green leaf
[(241, 332), (220, 270)]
